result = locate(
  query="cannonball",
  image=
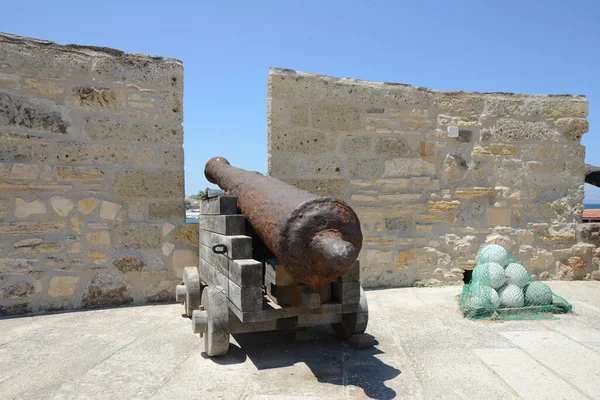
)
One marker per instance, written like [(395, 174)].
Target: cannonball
[(483, 297), (538, 294), (494, 253), (490, 274), (511, 296), (517, 275)]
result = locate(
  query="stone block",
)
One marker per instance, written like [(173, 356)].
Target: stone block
[(541, 151), (80, 174), (494, 150), (565, 106), (426, 149), (138, 211), (29, 112), (321, 187), (145, 157), (24, 208), (129, 264), (171, 106), (95, 256), (106, 290), (334, 118), (508, 173), (85, 153), (475, 193), (76, 225), (62, 206), (100, 238), (356, 145), (299, 115), (512, 106), (573, 128), (142, 71), (19, 290), (4, 207), (321, 167), (408, 167), (24, 171), (97, 99), (364, 167), (296, 141), (31, 228), (499, 216), (454, 168), (109, 210), (63, 286), (25, 147), (459, 103), (544, 174), (167, 248), (138, 236), (171, 157), (391, 146), (443, 206), (507, 130), (188, 234), (167, 228), (87, 206), (139, 184), (166, 210)]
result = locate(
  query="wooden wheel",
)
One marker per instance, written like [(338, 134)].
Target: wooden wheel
[(212, 321), (353, 323), (193, 290)]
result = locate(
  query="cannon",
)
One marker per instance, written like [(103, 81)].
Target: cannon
[(272, 256)]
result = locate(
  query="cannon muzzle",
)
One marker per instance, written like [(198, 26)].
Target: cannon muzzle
[(317, 239)]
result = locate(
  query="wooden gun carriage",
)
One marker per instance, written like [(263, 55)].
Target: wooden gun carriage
[(272, 257)]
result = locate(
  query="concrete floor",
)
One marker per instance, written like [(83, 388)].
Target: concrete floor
[(424, 349)]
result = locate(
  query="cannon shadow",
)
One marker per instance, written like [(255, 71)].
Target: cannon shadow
[(329, 360)]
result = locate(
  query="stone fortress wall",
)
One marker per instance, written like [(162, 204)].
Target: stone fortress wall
[(435, 175), (91, 177)]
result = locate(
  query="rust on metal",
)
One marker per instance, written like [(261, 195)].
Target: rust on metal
[(316, 238)]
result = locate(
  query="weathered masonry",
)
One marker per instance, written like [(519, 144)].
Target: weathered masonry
[(91, 177), (435, 175)]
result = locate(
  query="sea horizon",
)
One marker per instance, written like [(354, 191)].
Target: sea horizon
[(591, 206)]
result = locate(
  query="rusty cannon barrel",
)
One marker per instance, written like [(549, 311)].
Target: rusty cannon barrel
[(315, 238)]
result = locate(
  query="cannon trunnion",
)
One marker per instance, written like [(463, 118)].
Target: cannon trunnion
[(250, 278)]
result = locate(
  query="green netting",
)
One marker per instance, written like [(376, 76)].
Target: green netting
[(501, 288)]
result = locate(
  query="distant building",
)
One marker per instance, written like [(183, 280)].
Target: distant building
[(591, 215)]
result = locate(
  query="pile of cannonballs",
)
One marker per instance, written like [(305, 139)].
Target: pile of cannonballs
[(500, 282)]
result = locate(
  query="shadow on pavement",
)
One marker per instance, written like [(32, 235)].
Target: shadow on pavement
[(330, 360)]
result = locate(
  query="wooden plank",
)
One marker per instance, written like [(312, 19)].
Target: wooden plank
[(346, 292), (277, 273), (211, 275), (318, 319), (224, 224), (239, 247), (220, 261), (237, 326), (221, 205), (246, 298), (246, 273)]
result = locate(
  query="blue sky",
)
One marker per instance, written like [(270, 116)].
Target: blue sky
[(227, 48)]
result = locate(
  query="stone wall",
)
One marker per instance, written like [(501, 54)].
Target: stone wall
[(91, 177), (513, 175)]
